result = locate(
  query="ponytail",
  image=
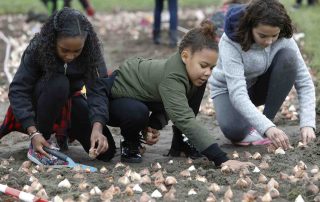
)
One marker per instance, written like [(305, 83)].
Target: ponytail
[(200, 37)]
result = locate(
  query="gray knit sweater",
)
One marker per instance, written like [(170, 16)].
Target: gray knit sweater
[(237, 71)]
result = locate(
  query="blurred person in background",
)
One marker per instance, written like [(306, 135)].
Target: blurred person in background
[(218, 17), (173, 10), (55, 5), (299, 3)]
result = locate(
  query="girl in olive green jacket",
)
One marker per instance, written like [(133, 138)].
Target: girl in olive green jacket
[(173, 87)]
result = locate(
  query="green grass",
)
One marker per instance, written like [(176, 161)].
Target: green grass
[(306, 20), (23, 6)]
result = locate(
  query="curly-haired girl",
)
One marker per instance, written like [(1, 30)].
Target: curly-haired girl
[(45, 91)]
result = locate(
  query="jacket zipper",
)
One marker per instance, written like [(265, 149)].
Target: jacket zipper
[(97, 71), (65, 68)]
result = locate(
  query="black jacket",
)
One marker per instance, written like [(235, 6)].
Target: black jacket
[(21, 90)]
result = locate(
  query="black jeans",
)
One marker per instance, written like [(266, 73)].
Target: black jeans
[(50, 97), (270, 89)]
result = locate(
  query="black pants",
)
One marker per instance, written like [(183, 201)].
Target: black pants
[(50, 97), (132, 115), (270, 89)]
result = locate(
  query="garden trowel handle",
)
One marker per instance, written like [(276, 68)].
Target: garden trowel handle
[(56, 153)]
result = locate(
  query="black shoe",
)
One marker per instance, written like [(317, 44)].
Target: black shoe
[(130, 152), (181, 146), (156, 37), (173, 38)]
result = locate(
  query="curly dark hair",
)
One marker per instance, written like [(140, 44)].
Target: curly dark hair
[(67, 22), (200, 37), (265, 12)]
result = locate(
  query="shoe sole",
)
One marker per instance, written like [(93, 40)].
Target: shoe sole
[(36, 161)]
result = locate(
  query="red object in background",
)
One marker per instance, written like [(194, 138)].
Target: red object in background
[(90, 11)]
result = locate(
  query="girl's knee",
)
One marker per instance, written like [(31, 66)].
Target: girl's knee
[(233, 133), (287, 56)]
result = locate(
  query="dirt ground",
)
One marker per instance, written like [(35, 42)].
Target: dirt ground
[(119, 46)]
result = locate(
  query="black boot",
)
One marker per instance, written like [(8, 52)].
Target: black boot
[(181, 146), (156, 37), (173, 38), (130, 152)]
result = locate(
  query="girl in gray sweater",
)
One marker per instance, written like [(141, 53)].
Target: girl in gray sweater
[(259, 63)]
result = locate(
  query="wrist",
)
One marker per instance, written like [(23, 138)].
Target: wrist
[(31, 130), (33, 134), (97, 126)]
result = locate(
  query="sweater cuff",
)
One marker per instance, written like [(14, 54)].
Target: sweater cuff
[(100, 119), (27, 122), (215, 154)]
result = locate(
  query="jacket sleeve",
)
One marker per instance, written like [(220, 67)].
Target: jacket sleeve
[(173, 95), (21, 91), (97, 96)]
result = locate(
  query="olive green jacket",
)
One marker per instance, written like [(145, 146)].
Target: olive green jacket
[(163, 81)]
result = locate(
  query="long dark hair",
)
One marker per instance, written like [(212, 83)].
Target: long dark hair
[(200, 37), (265, 12), (67, 22)]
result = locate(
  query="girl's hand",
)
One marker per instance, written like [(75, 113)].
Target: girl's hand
[(278, 138), (235, 165), (38, 142), (152, 136), (98, 139), (307, 135)]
